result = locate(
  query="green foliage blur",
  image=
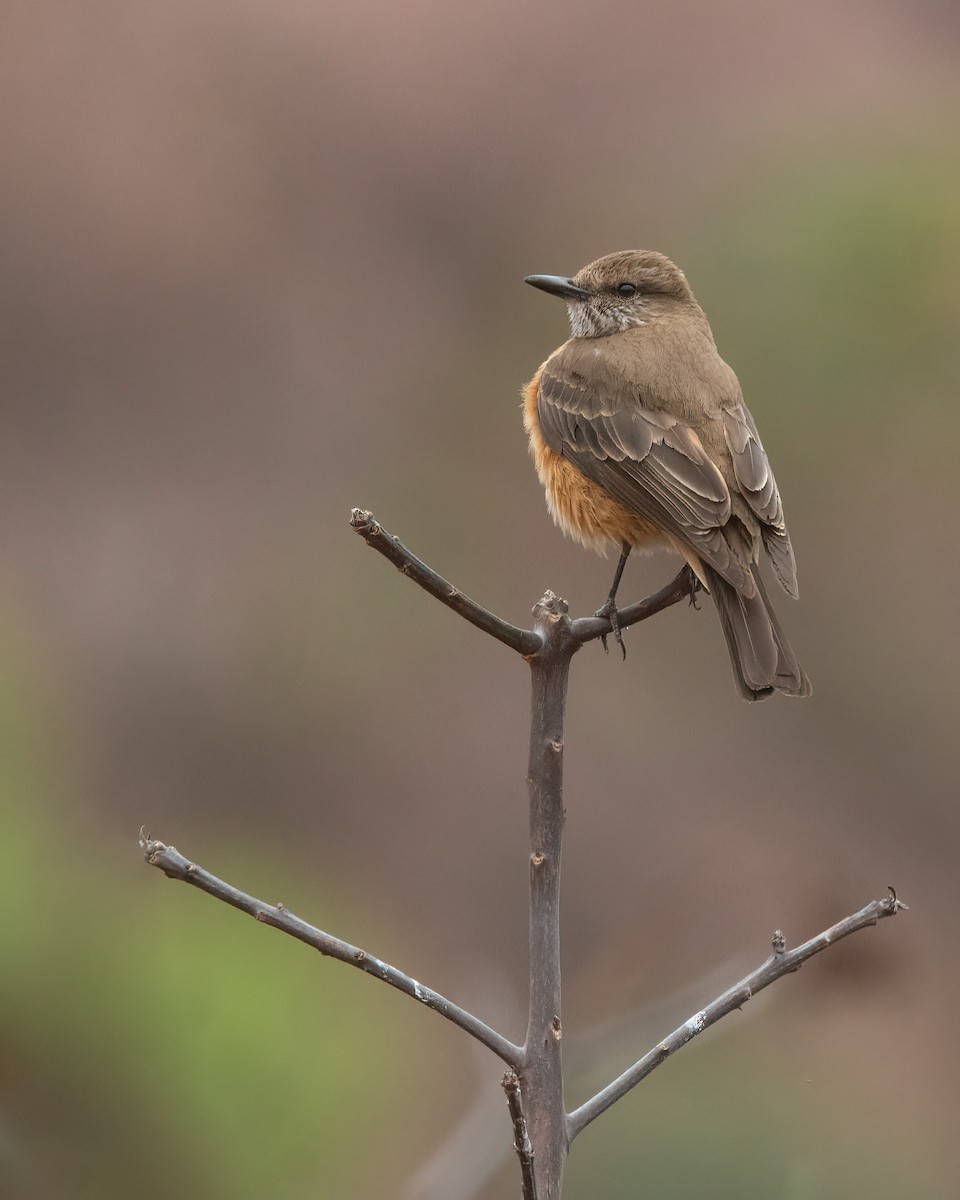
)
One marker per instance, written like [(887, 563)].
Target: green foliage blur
[(170, 1047)]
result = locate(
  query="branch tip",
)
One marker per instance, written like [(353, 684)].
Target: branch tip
[(148, 844), (896, 904), (524, 641), (364, 522), (782, 962), (173, 864), (550, 605)]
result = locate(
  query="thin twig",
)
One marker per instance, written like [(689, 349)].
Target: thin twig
[(521, 1139), (471, 1154), (587, 629), (169, 860), (780, 963), (524, 641)]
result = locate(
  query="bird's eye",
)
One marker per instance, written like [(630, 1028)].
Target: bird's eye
[(627, 289)]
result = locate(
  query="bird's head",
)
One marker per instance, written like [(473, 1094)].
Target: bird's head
[(618, 291)]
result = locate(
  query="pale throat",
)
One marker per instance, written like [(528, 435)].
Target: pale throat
[(589, 321)]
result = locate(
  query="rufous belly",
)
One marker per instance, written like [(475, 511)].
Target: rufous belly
[(581, 508)]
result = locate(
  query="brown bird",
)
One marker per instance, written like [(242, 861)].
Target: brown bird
[(641, 437)]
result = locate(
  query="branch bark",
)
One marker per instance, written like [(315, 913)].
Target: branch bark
[(542, 1130), (685, 584), (373, 533), (524, 641), (521, 1140), (781, 962), (175, 866), (542, 1073)]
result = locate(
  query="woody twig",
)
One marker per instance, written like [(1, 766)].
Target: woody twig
[(373, 533), (175, 866), (781, 962), (524, 641), (543, 1130), (521, 1139)]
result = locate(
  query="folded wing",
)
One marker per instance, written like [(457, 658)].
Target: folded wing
[(650, 462)]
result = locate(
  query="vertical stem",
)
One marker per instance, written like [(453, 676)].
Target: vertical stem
[(541, 1077)]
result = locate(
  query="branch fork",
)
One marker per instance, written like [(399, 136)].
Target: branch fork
[(533, 1083)]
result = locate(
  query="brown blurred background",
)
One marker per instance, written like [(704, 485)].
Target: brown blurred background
[(263, 262)]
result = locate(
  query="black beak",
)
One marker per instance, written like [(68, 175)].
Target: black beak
[(558, 285)]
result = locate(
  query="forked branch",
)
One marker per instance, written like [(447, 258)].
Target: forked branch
[(542, 1129), (524, 641)]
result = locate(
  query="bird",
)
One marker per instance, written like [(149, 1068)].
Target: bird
[(641, 438)]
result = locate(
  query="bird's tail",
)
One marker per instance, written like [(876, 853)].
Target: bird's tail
[(763, 662)]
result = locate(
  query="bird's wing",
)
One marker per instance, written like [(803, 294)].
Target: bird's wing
[(646, 459), (759, 488)]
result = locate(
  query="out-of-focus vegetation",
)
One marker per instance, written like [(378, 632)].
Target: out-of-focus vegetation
[(151, 1048), (261, 265)]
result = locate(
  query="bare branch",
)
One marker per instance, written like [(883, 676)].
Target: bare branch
[(542, 1130), (524, 641), (587, 629), (521, 1139), (173, 864), (474, 1151), (780, 963), (542, 1073)]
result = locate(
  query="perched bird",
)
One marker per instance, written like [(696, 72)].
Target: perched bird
[(641, 438)]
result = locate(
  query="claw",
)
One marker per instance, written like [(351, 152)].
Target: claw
[(695, 586), (609, 610)]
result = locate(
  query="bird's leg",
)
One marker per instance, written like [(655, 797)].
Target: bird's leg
[(609, 608), (695, 586)]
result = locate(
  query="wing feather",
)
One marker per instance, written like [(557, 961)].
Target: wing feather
[(647, 460), (759, 488)]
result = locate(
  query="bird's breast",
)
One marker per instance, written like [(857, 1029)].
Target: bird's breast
[(581, 508)]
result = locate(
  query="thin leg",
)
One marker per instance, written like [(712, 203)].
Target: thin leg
[(695, 586), (609, 608)]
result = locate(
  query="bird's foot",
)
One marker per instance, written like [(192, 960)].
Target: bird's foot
[(695, 586), (609, 610)]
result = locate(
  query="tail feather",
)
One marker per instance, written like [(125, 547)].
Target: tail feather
[(762, 660)]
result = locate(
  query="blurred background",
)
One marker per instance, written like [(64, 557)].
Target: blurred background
[(263, 262)]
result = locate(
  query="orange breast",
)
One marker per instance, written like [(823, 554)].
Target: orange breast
[(581, 508)]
